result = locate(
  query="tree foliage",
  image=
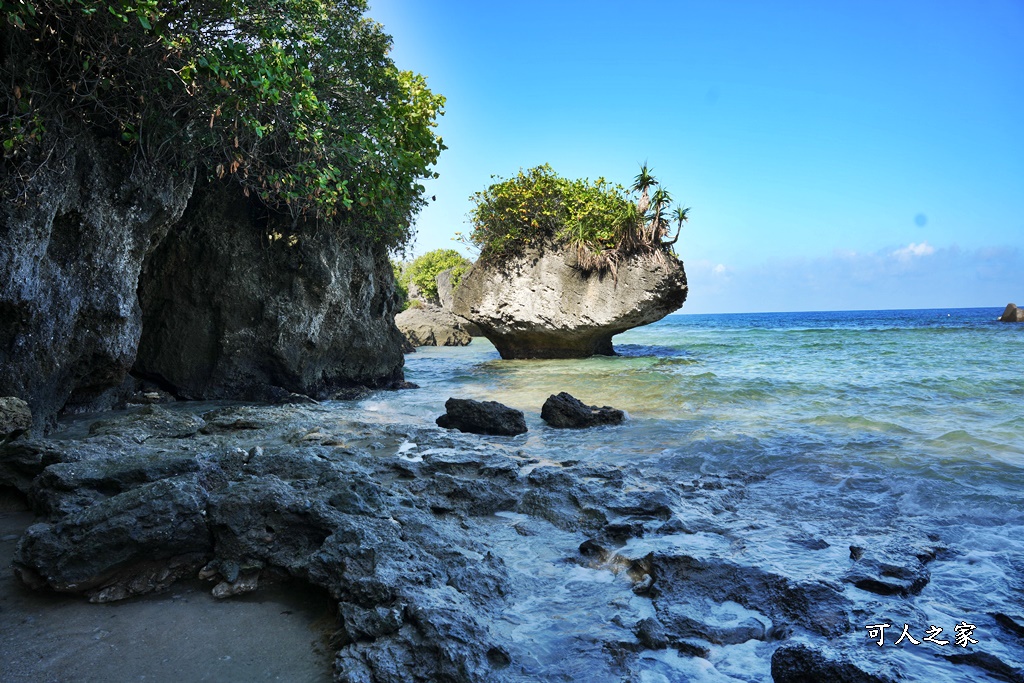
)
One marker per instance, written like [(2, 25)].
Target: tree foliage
[(423, 271), (296, 100), (598, 220)]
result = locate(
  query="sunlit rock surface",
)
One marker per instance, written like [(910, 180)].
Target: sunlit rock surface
[(538, 305)]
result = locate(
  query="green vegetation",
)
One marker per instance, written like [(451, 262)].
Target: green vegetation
[(598, 220), (424, 270), (296, 100)]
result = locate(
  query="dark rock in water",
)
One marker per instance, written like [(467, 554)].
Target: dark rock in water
[(810, 543), (804, 664), (820, 607), (1012, 314), (565, 411), (431, 326), (540, 305), (990, 663), (242, 302), (71, 254), (482, 417), (15, 417), (148, 422), (890, 571), (1012, 624)]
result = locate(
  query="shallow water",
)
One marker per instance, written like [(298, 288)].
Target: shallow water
[(857, 428)]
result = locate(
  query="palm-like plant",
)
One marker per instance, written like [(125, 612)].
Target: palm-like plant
[(681, 215), (643, 182), (660, 201)]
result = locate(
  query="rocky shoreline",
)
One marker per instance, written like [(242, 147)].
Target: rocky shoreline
[(446, 556)]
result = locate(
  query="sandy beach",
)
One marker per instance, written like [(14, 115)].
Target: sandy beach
[(279, 634)]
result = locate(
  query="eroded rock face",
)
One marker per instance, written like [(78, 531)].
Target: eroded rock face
[(538, 305), (1012, 314), (71, 250), (15, 417), (242, 303), (431, 326)]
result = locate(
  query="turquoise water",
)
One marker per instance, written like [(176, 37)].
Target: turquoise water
[(867, 428)]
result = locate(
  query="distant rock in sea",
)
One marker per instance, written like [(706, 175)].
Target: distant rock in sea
[(540, 304), (1012, 314), (427, 325)]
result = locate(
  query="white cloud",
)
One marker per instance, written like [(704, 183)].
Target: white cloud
[(923, 277), (914, 250)]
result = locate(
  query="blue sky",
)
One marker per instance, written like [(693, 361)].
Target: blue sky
[(836, 155)]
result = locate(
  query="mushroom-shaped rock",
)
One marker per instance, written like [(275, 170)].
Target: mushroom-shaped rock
[(566, 411), (540, 304), (1012, 314), (482, 417)]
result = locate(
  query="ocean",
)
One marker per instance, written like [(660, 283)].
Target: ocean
[(854, 431)]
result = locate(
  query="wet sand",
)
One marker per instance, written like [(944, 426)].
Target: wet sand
[(280, 633)]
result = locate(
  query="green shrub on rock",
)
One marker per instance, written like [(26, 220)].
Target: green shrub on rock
[(598, 220), (422, 272), (295, 100)]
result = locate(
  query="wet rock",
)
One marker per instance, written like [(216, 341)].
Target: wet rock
[(1014, 625), (804, 664), (810, 543), (991, 664), (683, 626), (482, 417), (894, 570), (817, 606), (69, 487), (565, 411), (23, 460), (233, 420), (15, 417), (149, 422), (540, 305), (244, 583), (431, 326), (1012, 314), (132, 543)]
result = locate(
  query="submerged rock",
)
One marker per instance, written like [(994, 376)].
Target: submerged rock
[(804, 664), (431, 326), (539, 305), (1012, 314), (566, 411), (482, 417)]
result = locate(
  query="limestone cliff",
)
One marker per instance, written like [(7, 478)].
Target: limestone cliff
[(71, 249), (102, 261), (240, 302), (540, 305)]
